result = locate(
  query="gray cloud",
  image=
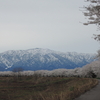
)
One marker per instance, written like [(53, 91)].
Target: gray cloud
[(52, 24)]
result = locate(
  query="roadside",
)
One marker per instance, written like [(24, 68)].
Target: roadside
[(93, 94)]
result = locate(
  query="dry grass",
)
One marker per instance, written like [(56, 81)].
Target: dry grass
[(44, 88)]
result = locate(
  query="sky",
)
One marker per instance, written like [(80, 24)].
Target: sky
[(52, 24)]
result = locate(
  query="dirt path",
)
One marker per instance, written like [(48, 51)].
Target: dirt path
[(93, 94)]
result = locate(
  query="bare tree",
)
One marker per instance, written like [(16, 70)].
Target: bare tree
[(17, 71)]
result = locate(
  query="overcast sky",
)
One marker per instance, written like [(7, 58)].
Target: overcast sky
[(52, 24)]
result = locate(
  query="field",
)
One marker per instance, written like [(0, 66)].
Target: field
[(43, 88)]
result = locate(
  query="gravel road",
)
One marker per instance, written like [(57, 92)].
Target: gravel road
[(93, 94)]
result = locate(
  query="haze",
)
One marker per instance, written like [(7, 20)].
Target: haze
[(52, 24)]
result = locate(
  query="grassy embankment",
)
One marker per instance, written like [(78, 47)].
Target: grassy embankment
[(43, 88)]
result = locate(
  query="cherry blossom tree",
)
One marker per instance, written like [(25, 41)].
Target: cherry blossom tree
[(92, 12)]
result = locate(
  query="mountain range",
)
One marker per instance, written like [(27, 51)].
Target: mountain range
[(43, 59)]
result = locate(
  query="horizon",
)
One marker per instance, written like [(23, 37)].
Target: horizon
[(49, 49)]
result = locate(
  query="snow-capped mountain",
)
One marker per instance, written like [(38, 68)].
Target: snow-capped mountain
[(42, 59)]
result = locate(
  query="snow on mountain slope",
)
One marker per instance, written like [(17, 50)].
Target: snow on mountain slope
[(37, 59)]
